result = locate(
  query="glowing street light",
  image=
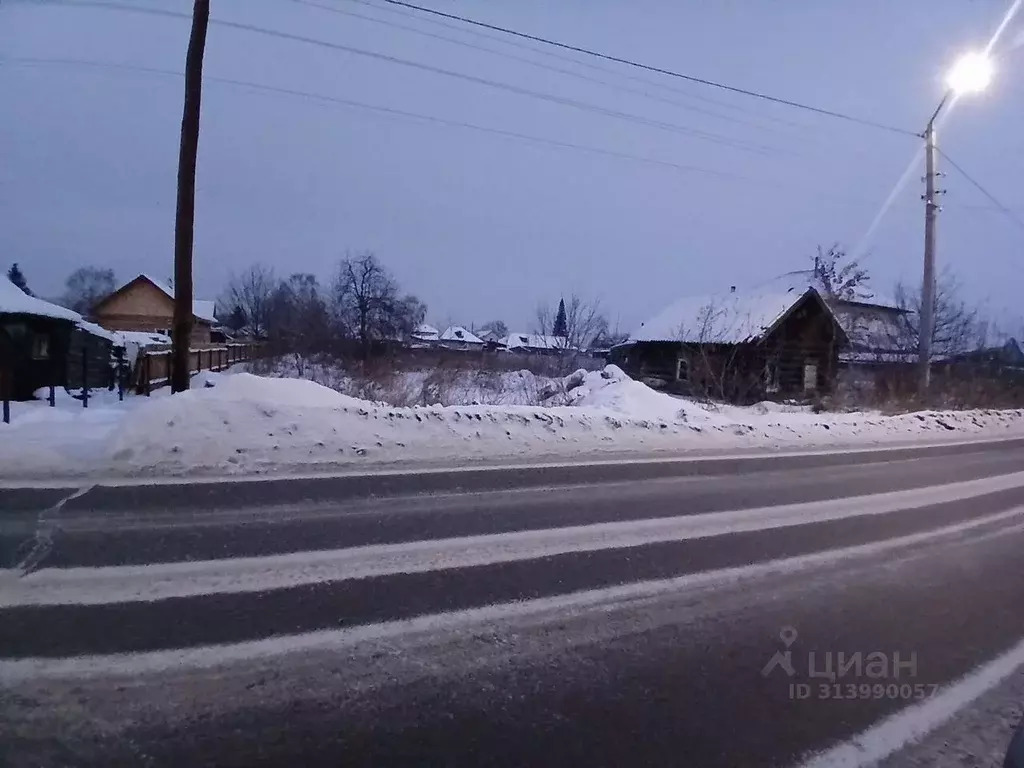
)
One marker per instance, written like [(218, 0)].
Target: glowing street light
[(971, 73)]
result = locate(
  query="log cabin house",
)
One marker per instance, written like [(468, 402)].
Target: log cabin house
[(738, 347)]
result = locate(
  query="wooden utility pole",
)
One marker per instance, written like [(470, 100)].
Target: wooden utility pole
[(184, 220)]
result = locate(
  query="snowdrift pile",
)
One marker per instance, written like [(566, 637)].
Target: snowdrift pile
[(241, 423)]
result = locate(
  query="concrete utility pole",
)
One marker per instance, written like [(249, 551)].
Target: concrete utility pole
[(926, 325), (184, 220)]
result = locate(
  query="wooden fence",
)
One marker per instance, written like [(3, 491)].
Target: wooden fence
[(153, 366)]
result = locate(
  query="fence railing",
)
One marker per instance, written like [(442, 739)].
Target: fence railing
[(153, 366), (151, 371)]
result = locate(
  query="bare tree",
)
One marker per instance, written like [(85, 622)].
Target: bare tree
[(957, 327), (298, 318), (86, 286), (367, 304), (584, 321), (497, 327), (711, 363), (233, 318), (252, 292), (840, 277)]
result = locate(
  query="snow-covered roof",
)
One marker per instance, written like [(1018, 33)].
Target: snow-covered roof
[(730, 318), (15, 301), (202, 308), (426, 332), (205, 309), (98, 330), (488, 334), (871, 327), (144, 338), (534, 341), (458, 333)]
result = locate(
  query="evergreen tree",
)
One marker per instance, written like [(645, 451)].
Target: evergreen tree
[(15, 275), (561, 327)]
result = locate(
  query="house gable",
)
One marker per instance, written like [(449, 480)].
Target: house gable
[(138, 298), (810, 301), (145, 304)]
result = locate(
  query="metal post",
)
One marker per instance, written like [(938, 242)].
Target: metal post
[(85, 378), (53, 396), (927, 319), (120, 376)]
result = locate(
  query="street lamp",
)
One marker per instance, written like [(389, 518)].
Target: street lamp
[(971, 73)]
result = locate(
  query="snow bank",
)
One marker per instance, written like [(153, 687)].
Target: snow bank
[(247, 423), (240, 423), (613, 390)]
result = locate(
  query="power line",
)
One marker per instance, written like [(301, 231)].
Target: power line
[(414, 116), (659, 70), (578, 62), (992, 198), (382, 110), (531, 62), (508, 87)]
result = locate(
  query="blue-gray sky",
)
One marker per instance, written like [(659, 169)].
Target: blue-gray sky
[(481, 226)]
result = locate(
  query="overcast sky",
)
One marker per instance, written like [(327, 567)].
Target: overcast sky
[(483, 226)]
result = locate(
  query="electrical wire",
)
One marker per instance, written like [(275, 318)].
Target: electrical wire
[(532, 63), (381, 110), (977, 185), (658, 70), (507, 87), (418, 117), (512, 42)]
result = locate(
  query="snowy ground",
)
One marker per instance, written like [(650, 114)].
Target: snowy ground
[(245, 424), (975, 737), (436, 386)]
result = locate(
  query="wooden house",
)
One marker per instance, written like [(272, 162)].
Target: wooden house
[(457, 337), (738, 347), (146, 304), (536, 344)]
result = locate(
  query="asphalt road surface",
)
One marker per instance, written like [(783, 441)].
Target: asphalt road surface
[(720, 612)]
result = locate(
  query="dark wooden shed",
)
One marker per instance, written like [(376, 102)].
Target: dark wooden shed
[(34, 339), (43, 344), (736, 347)]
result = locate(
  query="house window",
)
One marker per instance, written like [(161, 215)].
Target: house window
[(810, 377), (771, 377), (40, 347)]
